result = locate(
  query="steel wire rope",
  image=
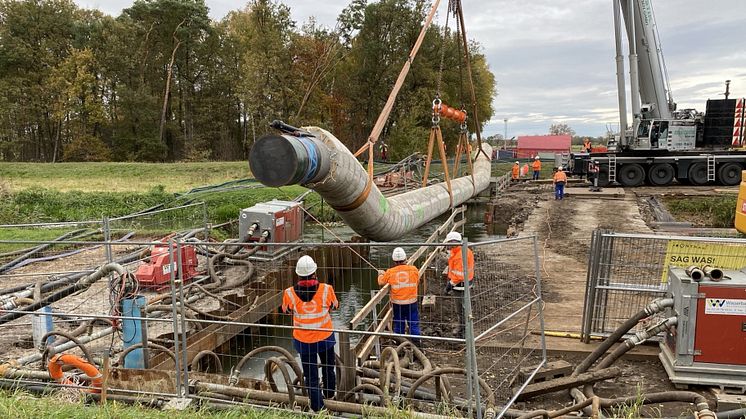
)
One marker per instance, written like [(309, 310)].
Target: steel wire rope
[(368, 262)]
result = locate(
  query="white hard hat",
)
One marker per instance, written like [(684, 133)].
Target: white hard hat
[(398, 255), (560, 168), (453, 236), (305, 266), (537, 157), (517, 162)]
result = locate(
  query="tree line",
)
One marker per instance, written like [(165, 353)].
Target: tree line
[(164, 82)]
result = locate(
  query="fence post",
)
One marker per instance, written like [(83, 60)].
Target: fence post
[(174, 317), (206, 222), (182, 300), (540, 309), (590, 287), (472, 372), (349, 364)]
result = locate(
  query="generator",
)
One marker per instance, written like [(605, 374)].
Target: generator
[(157, 272), (708, 345), (274, 221)]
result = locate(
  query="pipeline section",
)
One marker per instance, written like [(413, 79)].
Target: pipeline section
[(314, 158)]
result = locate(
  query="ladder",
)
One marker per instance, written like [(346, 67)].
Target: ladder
[(710, 168), (612, 168)]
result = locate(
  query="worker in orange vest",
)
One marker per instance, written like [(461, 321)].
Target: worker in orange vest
[(456, 274), (559, 179), (403, 280), (516, 171), (310, 302), (536, 165), (587, 145)]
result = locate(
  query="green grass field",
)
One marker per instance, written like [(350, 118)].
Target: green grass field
[(19, 405), (715, 211), (119, 177)]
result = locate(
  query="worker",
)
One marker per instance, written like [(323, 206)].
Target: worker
[(593, 170), (384, 151), (536, 165), (310, 302), (559, 179), (516, 171), (403, 279), (587, 145), (455, 274)]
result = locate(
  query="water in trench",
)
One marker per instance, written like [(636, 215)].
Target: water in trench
[(353, 287)]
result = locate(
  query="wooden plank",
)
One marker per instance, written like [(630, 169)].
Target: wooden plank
[(370, 343), (564, 383), (217, 334), (368, 307)]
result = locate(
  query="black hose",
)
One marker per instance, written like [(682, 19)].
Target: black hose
[(652, 308), (81, 285), (50, 350)]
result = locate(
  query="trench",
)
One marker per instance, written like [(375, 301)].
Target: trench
[(353, 287)]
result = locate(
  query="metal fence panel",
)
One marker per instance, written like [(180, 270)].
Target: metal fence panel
[(627, 271)]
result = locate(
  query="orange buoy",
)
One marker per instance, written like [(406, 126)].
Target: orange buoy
[(59, 360)]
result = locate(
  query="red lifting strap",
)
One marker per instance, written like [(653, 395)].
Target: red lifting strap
[(448, 112)]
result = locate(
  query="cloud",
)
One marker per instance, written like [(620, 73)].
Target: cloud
[(554, 59)]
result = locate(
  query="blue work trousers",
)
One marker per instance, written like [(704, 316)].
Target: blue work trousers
[(310, 362), (559, 190), (536, 174), (406, 314)]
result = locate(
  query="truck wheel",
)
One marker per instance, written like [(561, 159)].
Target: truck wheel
[(631, 175), (729, 174), (661, 174), (603, 176), (698, 174)]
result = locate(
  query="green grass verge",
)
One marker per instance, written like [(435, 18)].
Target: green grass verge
[(20, 405), (705, 211), (119, 177)]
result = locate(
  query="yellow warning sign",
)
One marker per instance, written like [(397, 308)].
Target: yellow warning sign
[(683, 254)]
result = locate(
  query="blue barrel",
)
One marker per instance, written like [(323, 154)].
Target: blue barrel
[(133, 331)]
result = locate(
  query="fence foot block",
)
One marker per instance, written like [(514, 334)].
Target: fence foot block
[(550, 371), (180, 403), (428, 301)]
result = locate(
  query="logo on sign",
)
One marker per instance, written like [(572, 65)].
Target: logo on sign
[(167, 268)]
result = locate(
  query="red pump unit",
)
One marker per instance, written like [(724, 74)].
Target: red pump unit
[(157, 272)]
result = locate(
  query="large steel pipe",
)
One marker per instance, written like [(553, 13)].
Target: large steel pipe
[(321, 162)]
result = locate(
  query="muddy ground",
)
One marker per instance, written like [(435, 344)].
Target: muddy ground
[(564, 230)]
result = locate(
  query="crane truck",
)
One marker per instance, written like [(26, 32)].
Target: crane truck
[(662, 143)]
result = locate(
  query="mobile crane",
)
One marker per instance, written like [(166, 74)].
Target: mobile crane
[(662, 143)]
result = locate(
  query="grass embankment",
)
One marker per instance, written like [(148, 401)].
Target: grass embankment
[(119, 177), (20, 405), (39, 193), (711, 211)]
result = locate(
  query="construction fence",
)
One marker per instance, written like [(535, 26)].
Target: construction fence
[(628, 271), (191, 321)]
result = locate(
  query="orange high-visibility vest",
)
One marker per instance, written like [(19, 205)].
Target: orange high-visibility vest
[(516, 171), (403, 280), (310, 315), (560, 176), (587, 145), (456, 266), (537, 165)]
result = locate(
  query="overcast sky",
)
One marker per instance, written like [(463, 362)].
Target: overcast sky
[(554, 59)]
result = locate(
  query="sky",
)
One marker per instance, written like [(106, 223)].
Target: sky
[(554, 60)]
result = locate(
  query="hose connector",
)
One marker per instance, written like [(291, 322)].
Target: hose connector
[(715, 274), (252, 229), (658, 305), (704, 412), (695, 273)]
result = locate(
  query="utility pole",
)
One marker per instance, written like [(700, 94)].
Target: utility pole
[(505, 138)]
